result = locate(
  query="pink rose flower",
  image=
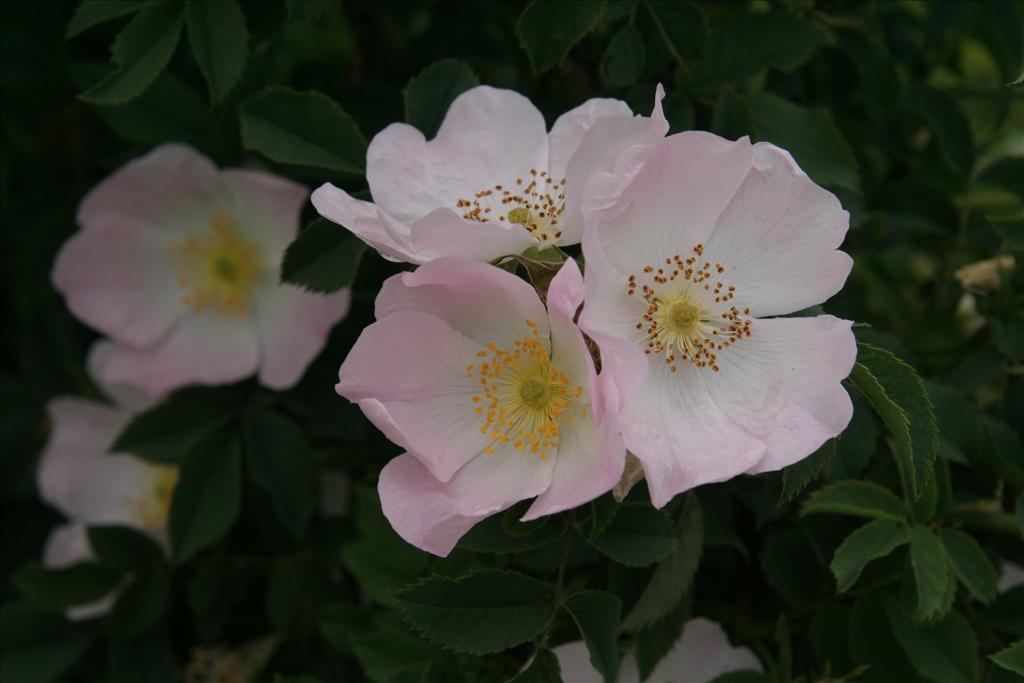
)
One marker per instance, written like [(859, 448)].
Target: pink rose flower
[(687, 260), (491, 395), (493, 182), (701, 654), (90, 486), (178, 263)]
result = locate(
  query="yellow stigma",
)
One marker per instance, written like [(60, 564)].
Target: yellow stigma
[(523, 397), (682, 316), (217, 268), (153, 502), (535, 202), (688, 316)]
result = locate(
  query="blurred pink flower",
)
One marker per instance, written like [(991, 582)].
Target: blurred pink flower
[(701, 654), (493, 182), (686, 259), (490, 395), (92, 487), (178, 263)]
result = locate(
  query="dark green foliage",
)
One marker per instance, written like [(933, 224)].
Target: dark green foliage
[(876, 559)]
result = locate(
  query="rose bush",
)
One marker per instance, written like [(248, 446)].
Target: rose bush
[(642, 341)]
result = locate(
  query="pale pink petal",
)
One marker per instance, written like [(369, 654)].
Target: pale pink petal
[(488, 136), (118, 278), (674, 201), (569, 129), (365, 221), (702, 654), (612, 146), (68, 545), (155, 190), (589, 462), (569, 351), (124, 396), (782, 385), (778, 237), (265, 206), (483, 302), (408, 373), (293, 326), (681, 436), (493, 481), (203, 348), (77, 475), (590, 459), (609, 317), (418, 507), (443, 232)]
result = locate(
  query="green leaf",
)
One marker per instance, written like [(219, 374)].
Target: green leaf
[(487, 611), (931, 571), (220, 43), (899, 397), (657, 640), (208, 496), (142, 604), (638, 536), (323, 258), (168, 110), (744, 677), (503, 534), (681, 25), (857, 498), (141, 51), (171, 430), (547, 29), (306, 128), (390, 649), (873, 642), (597, 615), (970, 564), (797, 476), (39, 644), (624, 58), (307, 10), (1011, 658), (740, 49), (60, 588), (280, 459), (145, 658), (671, 579), (429, 94), (794, 567), (124, 548), (543, 668), (93, 12), (945, 652), (948, 120), (870, 542), (810, 135)]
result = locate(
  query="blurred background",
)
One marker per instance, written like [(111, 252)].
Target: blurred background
[(911, 112)]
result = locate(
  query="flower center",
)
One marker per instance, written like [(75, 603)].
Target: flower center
[(536, 203), (153, 503), (217, 268), (523, 397), (688, 317)]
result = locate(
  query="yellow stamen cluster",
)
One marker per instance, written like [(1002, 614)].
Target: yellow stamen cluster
[(523, 397), (217, 269), (536, 203), (686, 317), (153, 502)]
